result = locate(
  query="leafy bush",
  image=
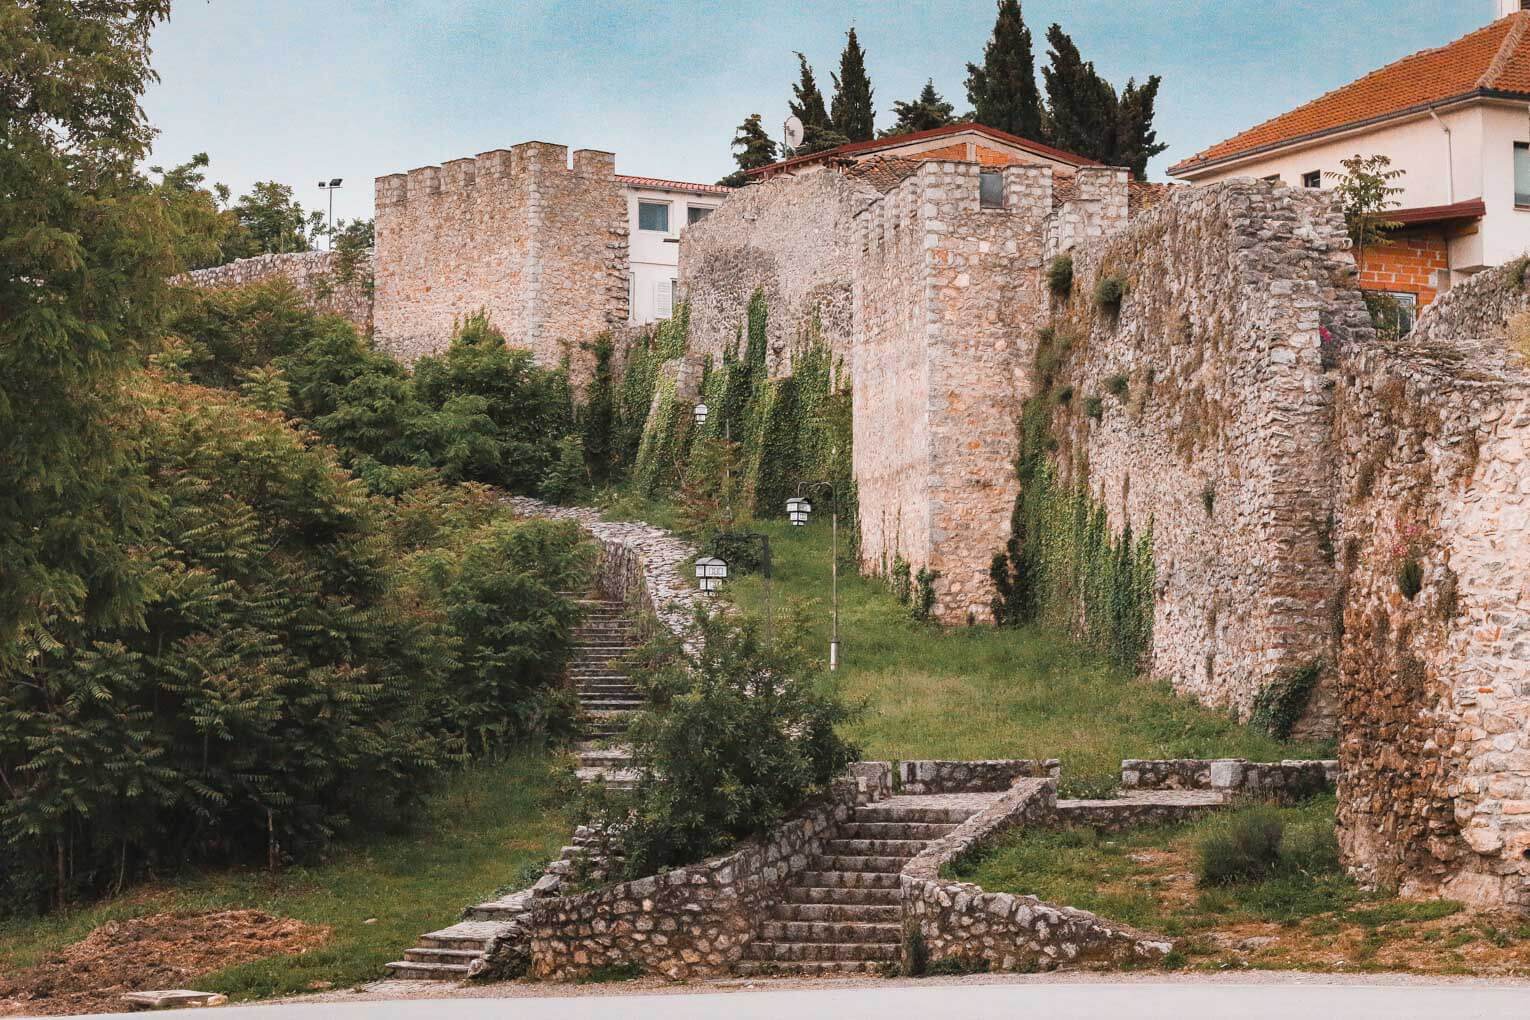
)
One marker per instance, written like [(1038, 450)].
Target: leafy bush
[(902, 580), (924, 593), (1246, 848), (1094, 407), (1118, 384), (1410, 576), (568, 477), (1109, 292), (740, 735), (1279, 707), (1060, 275)]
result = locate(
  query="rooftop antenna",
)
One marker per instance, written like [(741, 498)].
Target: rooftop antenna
[(792, 132)]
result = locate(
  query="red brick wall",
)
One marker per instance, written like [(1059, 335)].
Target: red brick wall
[(1407, 263)]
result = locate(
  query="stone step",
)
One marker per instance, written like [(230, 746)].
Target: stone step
[(891, 811), (837, 862), (813, 968), (834, 911), (423, 954), (904, 848), (842, 896), (838, 932), (925, 831), (847, 880), (881, 952), (613, 779), (596, 759), (428, 971)]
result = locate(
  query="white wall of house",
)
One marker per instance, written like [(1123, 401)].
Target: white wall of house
[(653, 256), (1480, 164)]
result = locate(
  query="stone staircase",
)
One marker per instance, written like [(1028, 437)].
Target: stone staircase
[(608, 698), (841, 914)]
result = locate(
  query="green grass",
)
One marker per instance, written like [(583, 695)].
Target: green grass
[(483, 830), (1107, 874), (982, 692)]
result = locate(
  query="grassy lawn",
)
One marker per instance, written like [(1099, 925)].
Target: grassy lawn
[(1308, 915), (484, 830), (986, 693)]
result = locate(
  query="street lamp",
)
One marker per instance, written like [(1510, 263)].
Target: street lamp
[(711, 572), (701, 413), (332, 186), (798, 510)]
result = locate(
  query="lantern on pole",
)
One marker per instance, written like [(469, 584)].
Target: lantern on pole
[(701, 413), (797, 511), (711, 572)]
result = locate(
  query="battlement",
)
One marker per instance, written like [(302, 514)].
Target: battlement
[(943, 199), (519, 162), (1097, 208)]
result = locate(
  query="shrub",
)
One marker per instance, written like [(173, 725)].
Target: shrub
[(924, 592), (1118, 384), (1094, 407), (1245, 848), (1109, 292), (1064, 394), (740, 735), (1209, 498), (902, 581), (1279, 707), (1060, 275), (567, 478)]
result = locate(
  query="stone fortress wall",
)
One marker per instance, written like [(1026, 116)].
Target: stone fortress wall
[(791, 238), (537, 243), (1212, 409), (1432, 441), (321, 277)]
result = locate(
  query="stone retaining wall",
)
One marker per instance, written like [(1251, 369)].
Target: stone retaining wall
[(959, 922), (1282, 779), (922, 777), (1433, 537), (321, 277), (694, 921)]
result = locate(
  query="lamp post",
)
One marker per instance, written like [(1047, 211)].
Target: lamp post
[(711, 572), (700, 414), (798, 510), (332, 186)]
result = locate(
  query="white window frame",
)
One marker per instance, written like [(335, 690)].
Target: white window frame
[(668, 219), (1306, 175)]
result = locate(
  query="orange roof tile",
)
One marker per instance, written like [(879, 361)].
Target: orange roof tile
[(1490, 61), (668, 185), (854, 149)]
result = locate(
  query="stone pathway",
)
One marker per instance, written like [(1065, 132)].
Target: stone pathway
[(608, 698), (842, 913)]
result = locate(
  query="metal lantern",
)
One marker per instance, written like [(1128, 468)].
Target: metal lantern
[(711, 572), (797, 510), (701, 413)]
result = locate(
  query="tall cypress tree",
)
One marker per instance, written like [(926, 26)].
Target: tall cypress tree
[(851, 112), (818, 131), (1003, 91), (1088, 117), (922, 114), (752, 148)]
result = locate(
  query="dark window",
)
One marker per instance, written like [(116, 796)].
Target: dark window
[(991, 189), (1312, 179), (1521, 173), (696, 213), (653, 216), (1273, 178), (1397, 311)]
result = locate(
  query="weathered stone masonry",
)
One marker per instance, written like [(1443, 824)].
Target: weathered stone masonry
[(536, 243), (321, 277)]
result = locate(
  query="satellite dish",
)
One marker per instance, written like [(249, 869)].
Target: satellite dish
[(793, 131)]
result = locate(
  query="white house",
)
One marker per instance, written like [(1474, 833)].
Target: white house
[(657, 211), (1455, 119)]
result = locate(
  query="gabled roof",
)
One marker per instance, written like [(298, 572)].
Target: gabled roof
[(1492, 62), (665, 185), (855, 150)]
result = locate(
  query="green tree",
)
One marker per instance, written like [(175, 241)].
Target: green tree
[(86, 248), (272, 221), (752, 148), (1003, 91), (852, 112), (921, 114), (807, 105), (1366, 192), (1088, 117), (203, 225)]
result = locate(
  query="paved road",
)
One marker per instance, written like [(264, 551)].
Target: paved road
[(1139, 1000)]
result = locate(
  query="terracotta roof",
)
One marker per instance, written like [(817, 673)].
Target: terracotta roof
[(883, 172), (659, 182), (876, 144), (1492, 61)]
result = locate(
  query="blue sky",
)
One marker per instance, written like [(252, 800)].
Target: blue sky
[(298, 91)]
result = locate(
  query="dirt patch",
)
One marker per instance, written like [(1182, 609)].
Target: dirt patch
[(158, 951)]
